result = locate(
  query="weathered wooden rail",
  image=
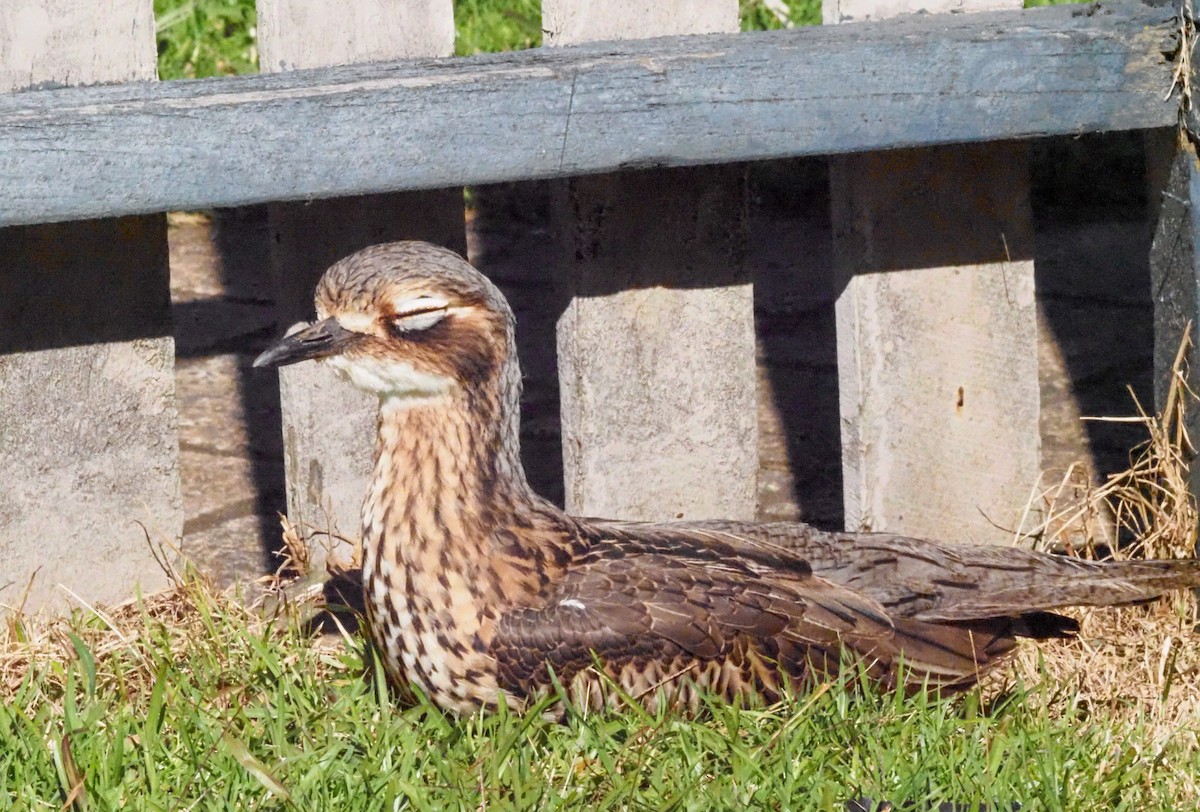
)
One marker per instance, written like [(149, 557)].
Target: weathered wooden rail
[(75, 153), (657, 409)]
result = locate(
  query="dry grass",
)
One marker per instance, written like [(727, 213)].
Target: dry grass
[(1181, 77), (1145, 511), (138, 632), (27, 642), (1141, 661)]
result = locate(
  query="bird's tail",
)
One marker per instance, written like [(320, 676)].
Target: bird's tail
[(938, 582), (1024, 584)]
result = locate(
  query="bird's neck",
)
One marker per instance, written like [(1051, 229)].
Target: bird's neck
[(453, 539), (450, 511)]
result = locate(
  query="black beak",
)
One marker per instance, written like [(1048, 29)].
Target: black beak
[(318, 340)]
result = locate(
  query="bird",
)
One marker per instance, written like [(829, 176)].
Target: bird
[(478, 592)]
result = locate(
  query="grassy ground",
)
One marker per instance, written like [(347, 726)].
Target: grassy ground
[(187, 700), (198, 38)]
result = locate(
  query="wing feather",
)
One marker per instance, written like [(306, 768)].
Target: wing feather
[(646, 604)]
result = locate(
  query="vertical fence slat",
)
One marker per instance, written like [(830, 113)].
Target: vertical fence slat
[(328, 461), (937, 332), (295, 34), (656, 346), (846, 11), (88, 440)]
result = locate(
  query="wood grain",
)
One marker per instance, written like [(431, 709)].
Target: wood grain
[(1175, 269)]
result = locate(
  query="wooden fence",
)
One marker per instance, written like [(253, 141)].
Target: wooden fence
[(361, 128)]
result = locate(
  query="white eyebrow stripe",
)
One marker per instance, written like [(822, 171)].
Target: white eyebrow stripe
[(419, 305), (419, 320)]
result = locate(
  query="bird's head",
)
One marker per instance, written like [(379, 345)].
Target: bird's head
[(405, 320)]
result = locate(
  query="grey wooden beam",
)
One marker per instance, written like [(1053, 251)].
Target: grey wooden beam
[(77, 153)]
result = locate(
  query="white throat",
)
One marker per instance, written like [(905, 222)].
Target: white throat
[(395, 381)]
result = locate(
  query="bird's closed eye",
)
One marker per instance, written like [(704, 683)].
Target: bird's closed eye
[(420, 313)]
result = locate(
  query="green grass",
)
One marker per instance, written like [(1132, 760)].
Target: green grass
[(489, 26), (198, 38), (755, 15), (194, 703)]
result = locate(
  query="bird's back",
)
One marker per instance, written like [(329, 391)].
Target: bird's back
[(658, 611)]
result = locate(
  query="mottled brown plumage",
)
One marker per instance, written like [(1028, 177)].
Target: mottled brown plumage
[(475, 586)]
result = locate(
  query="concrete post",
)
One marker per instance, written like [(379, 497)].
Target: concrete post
[(656, 347), (88, 441), (937, 331), (328, 426)]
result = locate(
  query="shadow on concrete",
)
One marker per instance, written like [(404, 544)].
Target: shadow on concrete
[(1092, 260), (790, 249), (240, 237), (1091, 252), (516, 240), (88, 282), (926, 208), (511, 240)]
